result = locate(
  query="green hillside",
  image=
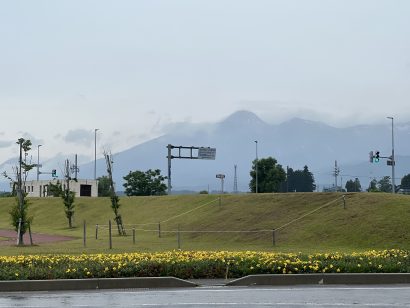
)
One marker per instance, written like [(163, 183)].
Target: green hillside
[(306, 221)]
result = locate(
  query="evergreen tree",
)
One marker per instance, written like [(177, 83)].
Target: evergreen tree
[(373, 186), (300, 180), (384, 184), (353, 186), (405, 182)]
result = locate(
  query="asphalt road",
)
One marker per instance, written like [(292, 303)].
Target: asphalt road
[(299, 296)]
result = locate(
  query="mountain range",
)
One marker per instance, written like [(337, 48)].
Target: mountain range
[(294, 143)]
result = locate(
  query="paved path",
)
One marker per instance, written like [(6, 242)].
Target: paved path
[(38, 238), (300, 296)]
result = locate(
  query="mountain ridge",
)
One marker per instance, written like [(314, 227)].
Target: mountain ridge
[(294, 143)]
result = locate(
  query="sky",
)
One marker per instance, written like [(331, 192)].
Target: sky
[(132, 68)]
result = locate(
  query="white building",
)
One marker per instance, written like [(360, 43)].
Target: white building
[(82, 188)]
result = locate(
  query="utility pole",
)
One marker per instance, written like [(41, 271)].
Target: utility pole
[(170, 147), (256, 167), (336, 174), (20, 195), (95, 153), (393, 161), (38, 161)]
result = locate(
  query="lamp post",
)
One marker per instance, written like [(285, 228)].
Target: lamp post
[(38, 161), (95, 153), (256, 167), (393, 162)]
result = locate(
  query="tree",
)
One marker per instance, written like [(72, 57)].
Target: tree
[(148, 183), (115, 201), (19, 216), (405, 182), (55, 190), (353, 186), (300, 180), (373, 186), (384, 184), (104, 186), (270, 175), (68, 196)]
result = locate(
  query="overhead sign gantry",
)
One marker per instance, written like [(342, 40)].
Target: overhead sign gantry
[(185, 152)]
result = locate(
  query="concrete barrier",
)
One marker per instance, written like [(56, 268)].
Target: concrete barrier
[(318, 279), (94, 284)]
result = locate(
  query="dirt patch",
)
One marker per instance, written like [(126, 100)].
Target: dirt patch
[(9, 237)]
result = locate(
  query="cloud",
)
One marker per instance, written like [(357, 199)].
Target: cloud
[(28, 136), (79, 136), (5, 144)]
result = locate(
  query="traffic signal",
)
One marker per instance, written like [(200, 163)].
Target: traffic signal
[(54, 173), (377, 157)]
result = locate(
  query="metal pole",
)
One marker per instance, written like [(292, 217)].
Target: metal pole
[(19, 232), (38, 161), (110, 234), (273, 237), (169, 168), (133, 235), (393, 162), (256, 167), (31, 237), (20, 196), (84, 233), (179, 238), (95, 153)]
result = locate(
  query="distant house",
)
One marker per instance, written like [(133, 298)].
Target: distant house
[(82, 188), (404, 191)]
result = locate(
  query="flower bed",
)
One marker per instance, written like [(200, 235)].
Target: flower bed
[(199, 264)]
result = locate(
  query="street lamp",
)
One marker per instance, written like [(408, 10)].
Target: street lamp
[(95, 153), (393, 162), (38, 161), (256, 167)]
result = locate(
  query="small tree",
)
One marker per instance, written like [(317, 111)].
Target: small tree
[(68, 196), (373, 186), (104, 188), (148, 183), (54, 190), (384, 184), (115, 201), (19, 216)]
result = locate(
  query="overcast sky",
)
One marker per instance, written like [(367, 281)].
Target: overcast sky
[(131, 67)]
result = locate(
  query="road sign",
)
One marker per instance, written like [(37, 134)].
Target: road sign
[(206, 153), (220, 176), (390, 163)]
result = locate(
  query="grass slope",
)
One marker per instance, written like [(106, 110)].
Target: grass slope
[(370, 221)]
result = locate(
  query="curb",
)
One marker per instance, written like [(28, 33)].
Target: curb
[(321, 279), (94, 284)]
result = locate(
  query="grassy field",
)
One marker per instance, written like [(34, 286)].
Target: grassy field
[(307, 222)]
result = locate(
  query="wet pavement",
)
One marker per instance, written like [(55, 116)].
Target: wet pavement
[(219, 296)]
